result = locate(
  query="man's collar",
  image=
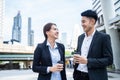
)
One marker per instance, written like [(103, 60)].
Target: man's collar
[(91, 34)]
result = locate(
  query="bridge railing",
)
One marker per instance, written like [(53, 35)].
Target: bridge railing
[(7, 48)]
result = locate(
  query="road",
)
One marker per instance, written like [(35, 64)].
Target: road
[(29, 75)]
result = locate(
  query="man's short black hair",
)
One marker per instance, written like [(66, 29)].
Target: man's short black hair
[(90, 13)]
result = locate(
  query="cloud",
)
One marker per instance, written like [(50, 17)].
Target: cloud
[(65, 13)]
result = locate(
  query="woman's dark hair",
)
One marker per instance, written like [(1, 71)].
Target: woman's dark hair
[(46, 28), (90, 14)]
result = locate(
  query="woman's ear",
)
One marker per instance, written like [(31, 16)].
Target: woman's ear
[(47, 32)]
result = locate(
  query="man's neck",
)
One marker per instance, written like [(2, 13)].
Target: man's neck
[(90, 32)]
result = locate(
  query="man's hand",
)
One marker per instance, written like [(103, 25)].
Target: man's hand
[(80, 59)]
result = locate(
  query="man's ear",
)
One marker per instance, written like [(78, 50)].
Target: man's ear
[(93, 21)]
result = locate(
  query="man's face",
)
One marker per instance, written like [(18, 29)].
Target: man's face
[(86, 24)]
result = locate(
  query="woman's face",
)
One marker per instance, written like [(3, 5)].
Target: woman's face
[(53, 32)]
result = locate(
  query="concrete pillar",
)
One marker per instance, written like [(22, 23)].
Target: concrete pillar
[(21, 64), (108, 14), (10, 65)]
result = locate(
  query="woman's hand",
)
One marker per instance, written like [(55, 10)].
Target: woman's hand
[(57, 67)]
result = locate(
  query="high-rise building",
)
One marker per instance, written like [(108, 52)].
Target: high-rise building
[(117, 7), (30, 33), (2, 3), (64, 38), (109, 22), (16, 30), (98, 8), (76, 32)]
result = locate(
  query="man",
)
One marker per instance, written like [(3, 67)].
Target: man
[(94, 49)]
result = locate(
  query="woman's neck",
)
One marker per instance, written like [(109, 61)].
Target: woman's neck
[(52, 42)]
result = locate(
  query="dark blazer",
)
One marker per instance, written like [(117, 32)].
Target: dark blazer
[(42, 59), (99, 56)]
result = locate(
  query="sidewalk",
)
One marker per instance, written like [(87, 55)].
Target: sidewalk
[(30, 75), (114, 71), (112, 75)]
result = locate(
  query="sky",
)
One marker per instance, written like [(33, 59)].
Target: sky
[(65, 13)]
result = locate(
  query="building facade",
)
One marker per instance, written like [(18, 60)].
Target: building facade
[(16, 30), (109, 22), (2, 5), (30, 34), (64, 39), (76, 32)]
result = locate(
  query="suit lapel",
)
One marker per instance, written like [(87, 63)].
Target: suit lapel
[(92, 43), (47, 52), (60, 52), (49, 55), (80, 43)]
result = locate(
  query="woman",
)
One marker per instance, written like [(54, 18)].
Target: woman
[(47, 55)]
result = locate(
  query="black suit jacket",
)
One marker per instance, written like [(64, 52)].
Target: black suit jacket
[(99, 56), (42, 59)]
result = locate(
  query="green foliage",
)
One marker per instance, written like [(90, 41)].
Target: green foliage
[(67, 53), (0, 62)]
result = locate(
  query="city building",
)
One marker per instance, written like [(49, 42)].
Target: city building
[(16, 30), (109, 22), (30, 33), (1, 19), (76, 32), (64, 39)]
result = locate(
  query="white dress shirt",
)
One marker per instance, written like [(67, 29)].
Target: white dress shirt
[(84, 51), (55, 56)]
